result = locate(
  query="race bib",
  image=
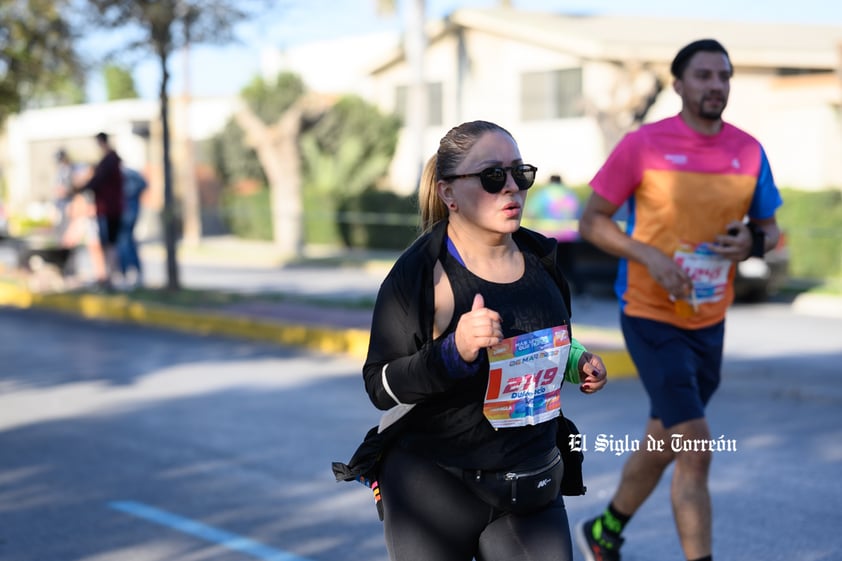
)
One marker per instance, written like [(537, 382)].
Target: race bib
[(525, 376), (708, 271)]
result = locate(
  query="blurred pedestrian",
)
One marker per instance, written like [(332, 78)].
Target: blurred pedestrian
[(107, 187), (470, 345), (689, 181), (553, 209), (134, 184), (64, 189), (82, 229)]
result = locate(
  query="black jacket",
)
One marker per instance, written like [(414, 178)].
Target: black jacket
[(402, 324), (402, 342)]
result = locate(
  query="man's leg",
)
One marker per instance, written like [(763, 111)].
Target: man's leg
[(599, 538), (642, 472), (691, 503), (680, 371), (112, 259), (124, 247)]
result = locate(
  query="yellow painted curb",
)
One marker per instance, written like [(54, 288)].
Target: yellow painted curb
[(353, 342), (350, 341)]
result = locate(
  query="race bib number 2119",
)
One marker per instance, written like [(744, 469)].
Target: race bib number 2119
[(525, 376)]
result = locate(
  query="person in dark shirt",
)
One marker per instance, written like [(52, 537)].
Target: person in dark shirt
[(470, 344), (107, 187)]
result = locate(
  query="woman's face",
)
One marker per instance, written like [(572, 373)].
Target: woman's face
[(495, 212)]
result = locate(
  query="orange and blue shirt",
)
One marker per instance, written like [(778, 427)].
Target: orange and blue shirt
[(682, 188)]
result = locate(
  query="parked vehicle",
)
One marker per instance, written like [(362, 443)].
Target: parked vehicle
[(4, 222), (757, 279)]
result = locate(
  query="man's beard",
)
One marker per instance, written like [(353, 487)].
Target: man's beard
[(712, 114)]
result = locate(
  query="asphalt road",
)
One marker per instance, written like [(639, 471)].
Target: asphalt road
[(122, 443)]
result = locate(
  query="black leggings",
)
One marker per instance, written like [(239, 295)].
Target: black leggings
[(430, 514)]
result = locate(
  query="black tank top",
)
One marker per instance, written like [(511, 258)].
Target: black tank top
[(451, 428)]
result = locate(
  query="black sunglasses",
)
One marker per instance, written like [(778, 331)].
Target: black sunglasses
[(494, 179)]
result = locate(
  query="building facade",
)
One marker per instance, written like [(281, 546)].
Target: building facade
[(568, 87)]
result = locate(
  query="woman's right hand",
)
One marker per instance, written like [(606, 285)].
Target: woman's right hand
[(478, 329)]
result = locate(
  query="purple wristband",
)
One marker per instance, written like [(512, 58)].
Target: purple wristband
[(454, 364)]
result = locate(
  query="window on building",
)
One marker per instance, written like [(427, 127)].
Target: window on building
[(556, 94), (434, 103), (786, 71)]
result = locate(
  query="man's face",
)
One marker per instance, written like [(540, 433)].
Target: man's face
[(705, 85)]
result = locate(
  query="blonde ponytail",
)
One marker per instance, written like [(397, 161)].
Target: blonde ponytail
[(432, 208)]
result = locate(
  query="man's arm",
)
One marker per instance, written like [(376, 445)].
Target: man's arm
[(739, 243), (598, 227)]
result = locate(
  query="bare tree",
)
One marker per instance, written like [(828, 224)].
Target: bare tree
[(626, 104), (164, 26), (277, 147)]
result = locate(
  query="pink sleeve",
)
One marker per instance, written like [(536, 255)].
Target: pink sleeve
[(621, 173)]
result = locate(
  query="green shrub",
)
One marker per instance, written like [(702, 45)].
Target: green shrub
[(378, 220), (320, 226), (812, 223), (344, 155), (248, 216)]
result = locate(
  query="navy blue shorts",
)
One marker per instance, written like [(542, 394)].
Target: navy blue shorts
[(680, 368)]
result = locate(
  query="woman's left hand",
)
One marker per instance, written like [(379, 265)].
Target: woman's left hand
[(592, 373)]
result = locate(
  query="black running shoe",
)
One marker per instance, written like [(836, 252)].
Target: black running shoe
[(604, 548)]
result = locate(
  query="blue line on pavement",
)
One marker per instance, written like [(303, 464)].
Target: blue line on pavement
[(203, 531)]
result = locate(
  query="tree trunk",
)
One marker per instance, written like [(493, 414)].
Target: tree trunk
[(635, 91), (278, 153), (169, 217), (414, 46), (285, 181)]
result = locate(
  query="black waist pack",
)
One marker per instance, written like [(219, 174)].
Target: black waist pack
[(572, 484), (521, 489)]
